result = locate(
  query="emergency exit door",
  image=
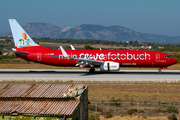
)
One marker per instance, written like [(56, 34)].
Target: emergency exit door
[(38, 56)]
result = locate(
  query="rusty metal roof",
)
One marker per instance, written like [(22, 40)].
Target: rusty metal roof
[(36, 90), (42, 108)]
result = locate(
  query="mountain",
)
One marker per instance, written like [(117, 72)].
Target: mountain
[(86, 31), (39, 30)]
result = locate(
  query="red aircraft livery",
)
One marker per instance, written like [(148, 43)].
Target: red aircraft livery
[(107, 60)]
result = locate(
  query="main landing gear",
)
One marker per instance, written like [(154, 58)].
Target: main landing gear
[(92, 70), (159, 71)]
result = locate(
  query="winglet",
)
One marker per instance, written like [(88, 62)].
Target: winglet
[(72, 47), (64, 52)]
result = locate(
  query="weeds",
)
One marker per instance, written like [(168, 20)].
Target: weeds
[(93, 108), (116, 102), (108, 115), (172, 109), (94, 117), (172, 117), (131, 111)]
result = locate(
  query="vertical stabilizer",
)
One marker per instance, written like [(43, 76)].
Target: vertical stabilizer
[(21, 38)]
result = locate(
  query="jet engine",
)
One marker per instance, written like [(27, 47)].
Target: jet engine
[(109, 66)]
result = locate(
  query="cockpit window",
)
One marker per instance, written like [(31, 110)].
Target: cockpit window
[(167, 56)]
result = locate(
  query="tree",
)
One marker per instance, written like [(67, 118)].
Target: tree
[(130, 42), (7, 41), (124, 44), (1, 52), (88, 47)]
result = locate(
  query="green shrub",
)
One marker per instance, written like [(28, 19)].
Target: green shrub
[(131, 111), (172, 117), (94, 117), (116, 102), (108, 115), (163, 103), (163, 111), (172, 109), (92, 108)]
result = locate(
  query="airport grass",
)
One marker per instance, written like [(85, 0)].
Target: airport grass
[(153, 98)]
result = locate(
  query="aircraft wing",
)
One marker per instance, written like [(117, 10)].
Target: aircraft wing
[(82, 62)]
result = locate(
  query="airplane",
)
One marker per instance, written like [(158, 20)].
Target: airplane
[(107, 60)]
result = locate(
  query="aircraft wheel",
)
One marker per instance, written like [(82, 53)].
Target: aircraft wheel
[(159, 71), (92, 70)]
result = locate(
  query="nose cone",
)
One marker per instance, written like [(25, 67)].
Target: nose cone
[(173, 60)]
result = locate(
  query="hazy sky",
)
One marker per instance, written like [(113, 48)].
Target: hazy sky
[(146, 16)]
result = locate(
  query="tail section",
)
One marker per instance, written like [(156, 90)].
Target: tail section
[(21, 38)]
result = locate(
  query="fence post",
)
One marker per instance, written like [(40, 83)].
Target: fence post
[(138, 110), (96, 107), (131, 101), (179, 112)]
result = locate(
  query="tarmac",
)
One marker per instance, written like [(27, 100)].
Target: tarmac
[(84, 75)]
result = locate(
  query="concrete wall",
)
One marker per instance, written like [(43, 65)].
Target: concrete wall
[(84, 105)]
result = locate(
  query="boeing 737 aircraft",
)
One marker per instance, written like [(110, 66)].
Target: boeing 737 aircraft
[(107, 60)]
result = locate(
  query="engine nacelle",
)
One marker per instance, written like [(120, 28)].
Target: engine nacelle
[(109, 66)]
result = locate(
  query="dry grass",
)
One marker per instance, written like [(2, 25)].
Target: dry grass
[(47, 44), (139, 91), (134, 118)]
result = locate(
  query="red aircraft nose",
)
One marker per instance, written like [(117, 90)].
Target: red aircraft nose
[(173, 60)]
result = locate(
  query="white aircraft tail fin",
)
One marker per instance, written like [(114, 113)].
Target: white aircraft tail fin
[(21, 38)]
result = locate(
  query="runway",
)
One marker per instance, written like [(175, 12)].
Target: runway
[(84, 75)]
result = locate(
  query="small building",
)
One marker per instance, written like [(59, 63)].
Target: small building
[(43, 101), (142, 46), (150, 47)]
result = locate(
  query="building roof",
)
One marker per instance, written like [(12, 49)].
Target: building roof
[(38, 108), (36, 90)]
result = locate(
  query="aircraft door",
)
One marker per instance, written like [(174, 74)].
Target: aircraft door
[(38, 56), (157, 57)]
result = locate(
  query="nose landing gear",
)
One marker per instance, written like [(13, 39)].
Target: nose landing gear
[(159, 71)]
